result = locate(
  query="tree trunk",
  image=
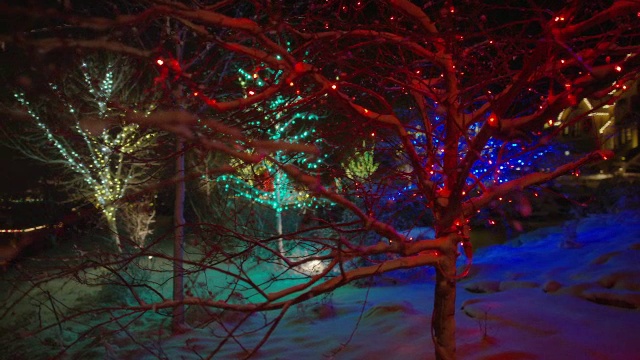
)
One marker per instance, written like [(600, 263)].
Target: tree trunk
[(444, 308), (178, 321), (112, 224), (279, 229), (277, 183)]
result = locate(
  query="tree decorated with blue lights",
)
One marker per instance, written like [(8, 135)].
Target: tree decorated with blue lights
[(498, 162), (82, 131), (455, 97)]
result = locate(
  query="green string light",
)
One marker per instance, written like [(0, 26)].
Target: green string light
[(276, 190)]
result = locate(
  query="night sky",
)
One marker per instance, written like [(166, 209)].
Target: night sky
[(18, 173)]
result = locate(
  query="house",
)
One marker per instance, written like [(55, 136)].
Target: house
[(609, 123)]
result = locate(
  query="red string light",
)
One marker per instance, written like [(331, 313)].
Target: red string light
[(493, 120)]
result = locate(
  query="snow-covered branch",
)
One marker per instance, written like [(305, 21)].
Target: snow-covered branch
[(471, 206)]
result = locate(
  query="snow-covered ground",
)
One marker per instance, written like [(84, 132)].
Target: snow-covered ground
[(532, 298)]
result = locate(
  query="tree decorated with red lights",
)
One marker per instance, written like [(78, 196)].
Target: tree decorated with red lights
[(468, 79)]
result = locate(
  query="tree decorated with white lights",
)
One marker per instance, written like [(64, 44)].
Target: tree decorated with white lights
[(105, 158)]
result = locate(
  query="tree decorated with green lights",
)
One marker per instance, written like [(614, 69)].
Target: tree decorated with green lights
[(82, 130), (360, 166), (265, 183)]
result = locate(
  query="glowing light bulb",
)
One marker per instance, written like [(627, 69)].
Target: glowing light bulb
[(493, 120)]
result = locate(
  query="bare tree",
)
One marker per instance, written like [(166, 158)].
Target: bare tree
[(432, 84), (138, 219)]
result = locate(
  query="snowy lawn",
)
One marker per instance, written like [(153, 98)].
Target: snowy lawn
[(528, 299)]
